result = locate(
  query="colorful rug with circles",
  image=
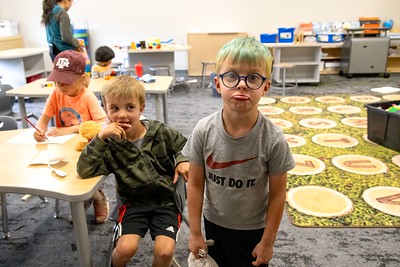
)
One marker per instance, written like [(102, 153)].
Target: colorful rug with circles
[(341, 178)]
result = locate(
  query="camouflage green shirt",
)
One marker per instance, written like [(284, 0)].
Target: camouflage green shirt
[(144, 175)]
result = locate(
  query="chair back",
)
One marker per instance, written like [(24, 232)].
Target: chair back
[(6, 101), (180, 194), (8, 123)]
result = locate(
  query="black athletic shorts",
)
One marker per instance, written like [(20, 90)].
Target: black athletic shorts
[(232, 247), (160, 220)]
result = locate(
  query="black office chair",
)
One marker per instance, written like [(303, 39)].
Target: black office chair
[(8, 123), (180, 196), (7, 102)]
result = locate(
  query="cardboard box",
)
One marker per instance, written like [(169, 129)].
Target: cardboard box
[(384, 126)]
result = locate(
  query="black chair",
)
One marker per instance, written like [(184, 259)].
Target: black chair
[(8, 123), (7, 102), (180, 196)]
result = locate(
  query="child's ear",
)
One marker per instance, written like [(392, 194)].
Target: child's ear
[(266, 88), (85, 79), (217, 84)]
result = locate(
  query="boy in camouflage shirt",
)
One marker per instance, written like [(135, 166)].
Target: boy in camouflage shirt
[(145, 157)]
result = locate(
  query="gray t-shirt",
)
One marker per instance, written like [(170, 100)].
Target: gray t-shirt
[(237, 169)]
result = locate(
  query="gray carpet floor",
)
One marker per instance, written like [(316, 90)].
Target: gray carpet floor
[(37, 239)]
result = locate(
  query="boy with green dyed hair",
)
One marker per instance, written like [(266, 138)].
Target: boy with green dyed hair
[(238, 164)]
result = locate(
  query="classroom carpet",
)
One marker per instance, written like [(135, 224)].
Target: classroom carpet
[(338, 169), (37, 239)]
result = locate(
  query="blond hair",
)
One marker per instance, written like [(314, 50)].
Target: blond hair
[(124, 87)]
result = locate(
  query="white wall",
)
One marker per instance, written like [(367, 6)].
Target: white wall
[(119, 22)]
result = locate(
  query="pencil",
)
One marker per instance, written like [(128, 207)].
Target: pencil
[(33, 125)]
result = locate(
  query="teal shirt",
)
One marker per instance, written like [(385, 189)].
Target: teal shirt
[(59, 30)]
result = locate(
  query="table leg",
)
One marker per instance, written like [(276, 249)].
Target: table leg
[(159, 115), (81, 233), (165, 108), (4, 216), (22, 110)]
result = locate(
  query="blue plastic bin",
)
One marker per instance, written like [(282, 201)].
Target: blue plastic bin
[(268, 38), (286, 35)]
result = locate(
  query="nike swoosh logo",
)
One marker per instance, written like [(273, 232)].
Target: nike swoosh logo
[(221, 165)]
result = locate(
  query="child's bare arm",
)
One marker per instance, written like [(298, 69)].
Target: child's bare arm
[(64, 130), (195, 190), (276, 203)]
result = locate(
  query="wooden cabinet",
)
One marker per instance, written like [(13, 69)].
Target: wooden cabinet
[(205, 47), (11, 42), (305, 56)]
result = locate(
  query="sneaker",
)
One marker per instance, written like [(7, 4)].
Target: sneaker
[(86, 204), (101, 209)]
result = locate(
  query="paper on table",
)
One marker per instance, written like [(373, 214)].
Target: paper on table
[(385, 90), (26, 137), (46, 158)]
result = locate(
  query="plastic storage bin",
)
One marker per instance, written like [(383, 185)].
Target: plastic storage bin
[(268, 38), (286, 35), (370, 22), (384, 126), (330, 37)]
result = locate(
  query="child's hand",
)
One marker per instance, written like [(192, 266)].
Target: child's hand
[(263, 254), (114, 130), (183, 170), (197, 242), (39, 136)]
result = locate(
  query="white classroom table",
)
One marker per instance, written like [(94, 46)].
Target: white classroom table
[(164, 56), (159, 89), (18, 176), (20, 63)]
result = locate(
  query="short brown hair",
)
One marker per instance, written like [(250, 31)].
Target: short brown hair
[(124, 87)]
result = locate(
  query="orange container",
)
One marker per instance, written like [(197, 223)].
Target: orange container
[(370, 22), (306, 28)]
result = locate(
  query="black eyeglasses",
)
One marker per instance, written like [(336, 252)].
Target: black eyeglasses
[(253, 81)]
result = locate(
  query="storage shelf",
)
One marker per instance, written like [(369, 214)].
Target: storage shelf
[(394, 70), (326, 71), (19, 63), (34, 72), (302, 63), (330, 58), (306, 57)]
